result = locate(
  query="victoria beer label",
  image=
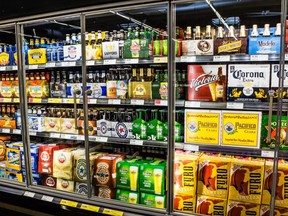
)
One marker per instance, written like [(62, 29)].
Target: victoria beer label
[(275, 75), (248, 82), (207, 82)]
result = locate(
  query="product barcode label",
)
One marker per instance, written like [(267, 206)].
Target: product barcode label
[(68, 203), (65, 100), (137, 102), (16, 131), (89, 63), (55, 135), (29, 194), (161, 102), (235, 105), (188, 59), (101, 139), (92, 101), (161, 59), (16, 100), (32, 67), (109, 61), (2, 68), (224, 58), (131, 61), (259, 57), (267, 154), (5, 130), (113, 212), (50, 64), (192, 104), (90, 208), (188, 147), (32, 133), (71, 64), (136, 142), (55, 100), (114, 101), (14, 67), (47, 198)]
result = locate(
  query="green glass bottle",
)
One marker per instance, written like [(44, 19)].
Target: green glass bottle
[(160, 125), (179, 121), (156, 85), (152, 125), (139, 126), (163, 91)]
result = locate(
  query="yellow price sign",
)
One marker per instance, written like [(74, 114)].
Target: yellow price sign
[(161, 59), (16, 100), (35, 100), (90, 208), (7, 100), (68, 101), (69, 203), (54, 100), (113, 212)]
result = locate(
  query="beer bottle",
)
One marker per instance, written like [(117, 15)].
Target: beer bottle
[(78, 40), (86, 39), (148, 77), (152, 125), (163, 91), (231, 33), (42, 43), (37, 43), (70, 77), (266, 32), (37, 76), (156, 47), (208, 33), (31, 44), (52, 81), (134, 75), (220, 34), (90, 76), (179, 85), (64, 77), (242, 31), (220, 86), (160, 125), (31, 76), (130, 34), (73, 39), (156, 85), (197, 33), (58, 79), (179, 119), (12, 78), (42, 76), (68, 41), (141, 74), (278, 30)]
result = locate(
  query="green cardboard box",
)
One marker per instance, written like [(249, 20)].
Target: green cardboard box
[(153, 176), (153, 200), (128, 174), (127, 196)]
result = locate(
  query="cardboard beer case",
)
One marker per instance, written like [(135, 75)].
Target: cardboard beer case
[(127, 196), (242, 208), (211, 205)]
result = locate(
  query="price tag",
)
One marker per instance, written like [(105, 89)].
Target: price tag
[(192, 104), (114, 101), (109, 61), (71, 64), (161, 102), (136, 142), (259, 57), (7, 100), (89, 63), (90, 208), (16, 131), (267, 154), (188, 59), (32, 133), (55, 100), (5, 130), (47, 198), (131, 61), (66, 100), (286, 57), (113, 212), (163, 59), (65, 136), (101, 139), (188, 147), (14, 67), (29, 194), (2, 68), (92, 101), (55, 135), (80, 137), (32, 67), (235, 105), (224, 58), (69, 203), (16, 100), (137, 102), (35, 100), (50, 64)]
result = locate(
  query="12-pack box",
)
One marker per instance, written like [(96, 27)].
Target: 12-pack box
[(152, 200), (127, 196), (211, 205)]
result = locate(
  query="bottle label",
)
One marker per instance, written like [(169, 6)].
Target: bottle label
[(110, 50), (163, 91)]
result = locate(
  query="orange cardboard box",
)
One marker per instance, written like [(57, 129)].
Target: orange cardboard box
[(265, 211), (211, 205), (235, 208), (185, 203), (213, 175), (246, 179)]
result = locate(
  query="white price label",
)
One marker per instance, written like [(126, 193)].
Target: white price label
[(50, 64), (235, 106), (101, 139), (16, 100), (109, 61), (286, 57), (47, 198), (32, 133), (2, 68), (161, 59), (14, 67), (259, 57), (137, 102), (16, 131), (267, 154), (80, 137), (32, 67), (188, 59), (161, 102), (89, 63), (29, 194), (192, 104), (114, 101), (68, 100), (136, 142), (131, 61), (188, 147), (92, 101), (65, 136), (55, 135), (72, 63), (5, 130), (224, 58)]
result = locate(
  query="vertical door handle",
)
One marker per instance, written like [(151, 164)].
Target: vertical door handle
[(271, 95), (75, 93), (89, 91)]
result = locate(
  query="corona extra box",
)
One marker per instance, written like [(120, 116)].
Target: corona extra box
[(202, 127), (282, 183), (211, 206), (241, 129), (246, 179), (213, 175)]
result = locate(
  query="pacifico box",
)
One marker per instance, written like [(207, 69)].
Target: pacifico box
[(246, 179), (275, 74), (37, 56), (211, 206), (45, 162), (235, 124), (105, 192), (153, 177), (185, 173), (65, 185), (105, 170), (185, 203), (128, 174), (282, 183), (207, 83), (202, 127), (265, 211), (240, 208), (152, 200), (264, 132), (248, 82), (37, 88), (127, 196), (213, 175), (50, 181)]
